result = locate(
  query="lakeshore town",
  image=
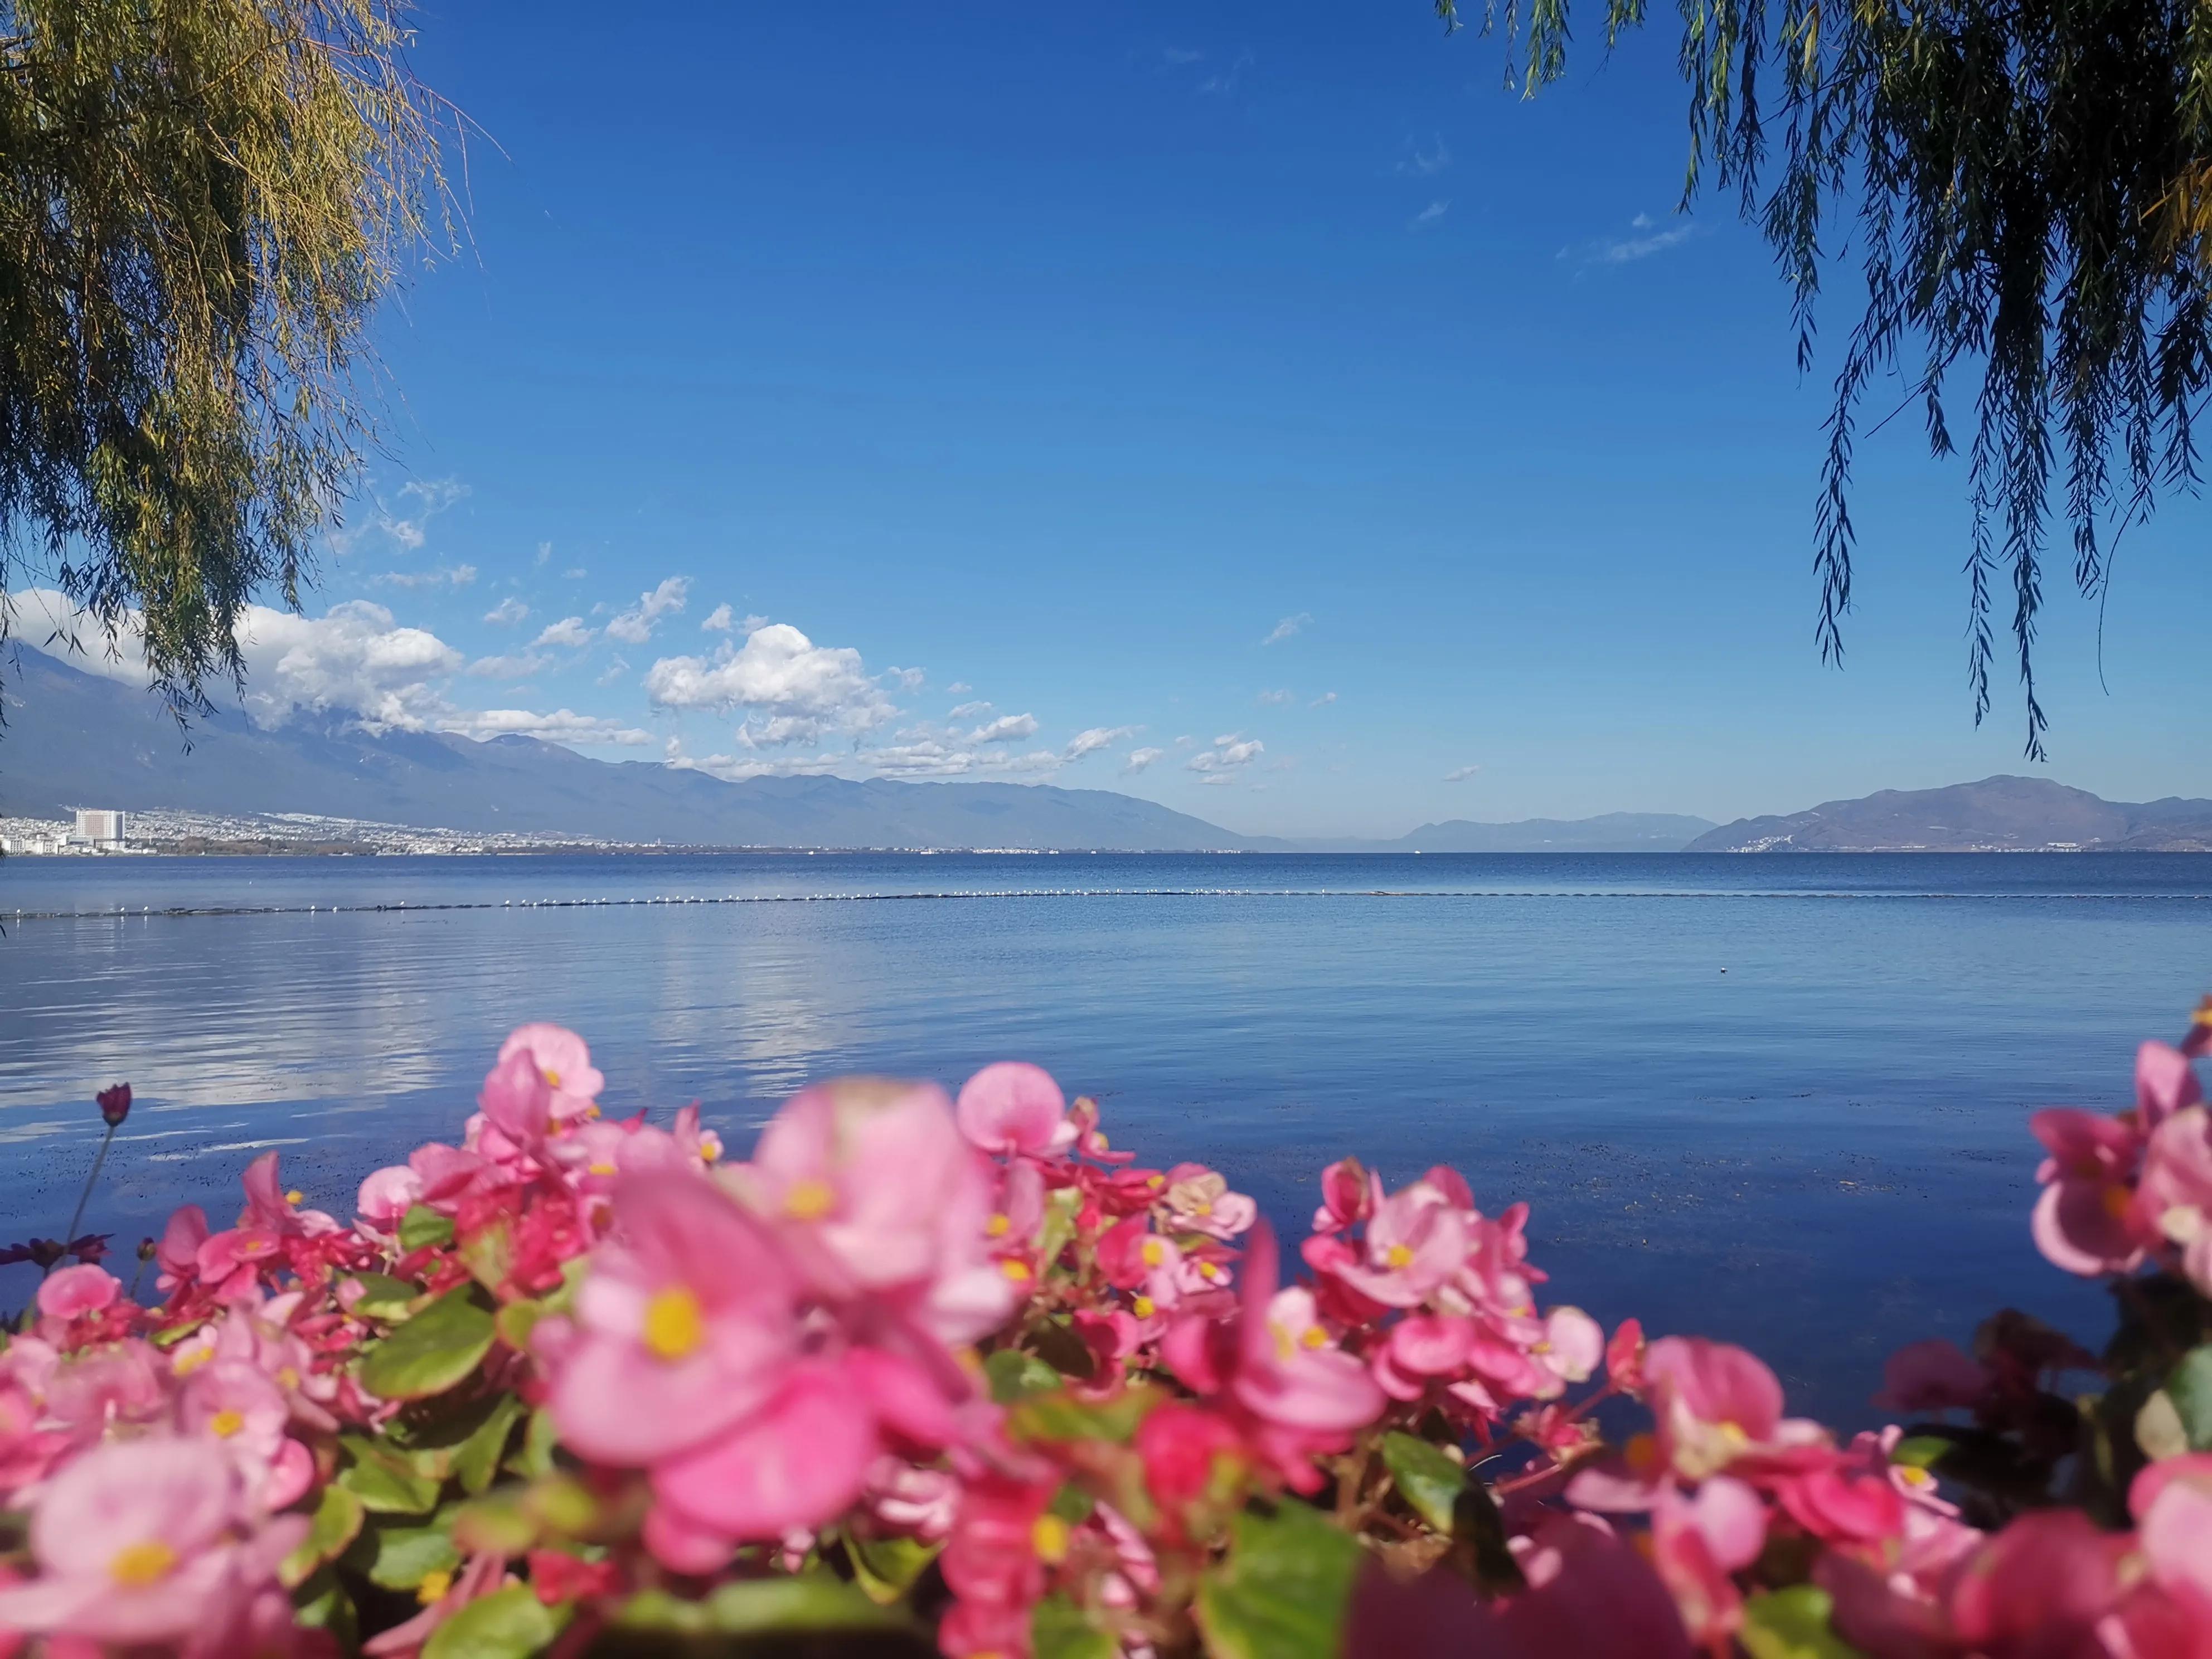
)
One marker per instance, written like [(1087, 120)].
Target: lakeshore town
[(106, 832)]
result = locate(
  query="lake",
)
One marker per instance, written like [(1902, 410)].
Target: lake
[(1778, 1100)]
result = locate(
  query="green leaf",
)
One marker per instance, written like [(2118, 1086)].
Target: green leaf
[(477, 1458), (1425, 1477), (431, 1351), (401, 1556), (497, 1525), (1013, 1373), (423, 1226), (321, 1603), (755, 1607), (385, 1298), (384, 1482), (1059, 1630), (1920, 1451), (509, 1624), (533, 1459), (488, 1254), (516, 1320), (1792, 1623), (2189, 1387), (335, 1523), (1282, 1593), (1060, 1211), (886, 1568), (1061, 1416)]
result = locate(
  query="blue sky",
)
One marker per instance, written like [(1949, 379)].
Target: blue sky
[(1261, 390)]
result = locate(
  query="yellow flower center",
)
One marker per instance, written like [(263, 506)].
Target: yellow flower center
[(435, 1585), (1016, 1270), (1048, 1537), (1732, 1435), (1913, 1476), (1398, 1256), (191, 1360), (1152, 1252), (225, 1423), (552, 1078), (1201, 1208), (134, 1566), (1208, 1270), (674, 1326), (288, 1377), (999, 1226), (2116, 1201), (1142, 1306), (1099, 1139), (1642, 1454), (295, 1198), (602, 1169), (809, 1200), (1284, 1348), (710, 1145), (1314, 1337)]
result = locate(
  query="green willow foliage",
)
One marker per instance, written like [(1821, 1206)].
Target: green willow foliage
[(200, 203), (2032, 185)]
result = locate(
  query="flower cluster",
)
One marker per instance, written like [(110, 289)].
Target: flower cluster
[(953, 1370)]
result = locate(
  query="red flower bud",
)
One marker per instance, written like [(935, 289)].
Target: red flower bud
[(115, 1103)]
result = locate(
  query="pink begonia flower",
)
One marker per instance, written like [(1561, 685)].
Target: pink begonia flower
[(910, 1502), (514, 1114), (1198, 1200), (2165, 1083), (1015, 1110), (71, 1292), (2171, 1503), (2041, 1586), (875, 1193), (1418, 1348), (1697, 1542), (2175, 1194), (683, 1327), (1349, 1193), (1712, 1403), (142, 1541), (2085, 1220), (178, 1253), (1901, 1608), (1624, 1357), (234, 1402), (1497, 1274), (387, 1195), (1931, 1376), (802, 1458), (1130, 1253), (1841, 1499), (563, 1061), (1416, 1241), (1088, 1142), (1275, 1358), (1590, 1596)]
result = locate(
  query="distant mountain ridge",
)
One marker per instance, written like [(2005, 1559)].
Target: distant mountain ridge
[(2000, 814), (74, 738)]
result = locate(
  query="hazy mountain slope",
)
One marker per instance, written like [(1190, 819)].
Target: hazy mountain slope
[(74, 739), (1996, 814)]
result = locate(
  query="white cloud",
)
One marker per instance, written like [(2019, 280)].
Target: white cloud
[(635, 626), (797, 691), (616, 669), (508, 612), (459, 575), (1276, 699), (1140, 759), (968, 711), (1286, 627), (574, 574), (562, 725), (1424, 161), (1096, 738), (353, 659), (1627, 250), (1461, 774), (1428, 216), (1228, 755), (1006, 728), (570, 631), (719, 621), (1322, 700), (521, 666), (406, 528), (544, 553), (909, 679), (957, 687)]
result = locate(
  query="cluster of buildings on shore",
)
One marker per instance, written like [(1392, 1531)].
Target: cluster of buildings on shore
[(108, 830), (93, 830)]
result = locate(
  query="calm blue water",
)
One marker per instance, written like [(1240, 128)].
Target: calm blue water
[(1777, 1100)]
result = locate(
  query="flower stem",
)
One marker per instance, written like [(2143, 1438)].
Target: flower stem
[(69, 1234)]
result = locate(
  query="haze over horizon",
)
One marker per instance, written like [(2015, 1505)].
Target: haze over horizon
[(1327, 441)]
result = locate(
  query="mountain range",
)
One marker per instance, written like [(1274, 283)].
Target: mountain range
[(73, 738)]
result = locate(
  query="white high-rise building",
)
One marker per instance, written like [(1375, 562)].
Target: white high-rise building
[(100, 827)]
